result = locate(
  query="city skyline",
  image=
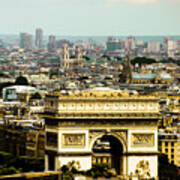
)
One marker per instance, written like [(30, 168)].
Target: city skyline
[(91, 18)]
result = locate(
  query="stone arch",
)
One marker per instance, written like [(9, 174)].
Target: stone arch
[(119, 137), (113, 156)]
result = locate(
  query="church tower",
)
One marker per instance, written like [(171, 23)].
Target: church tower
[(78, 53), (65, 56), (127, 71)]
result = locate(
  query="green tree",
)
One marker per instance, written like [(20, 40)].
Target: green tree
[(10, 163), (100, 170), (142, 60), (36, 96), (86, 58), (106, 57), (21, 80), (118, 58)]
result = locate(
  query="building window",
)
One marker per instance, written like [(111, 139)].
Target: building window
[(172, 143), (51, 103), (51, 139), (166, 143), (30, 153), (160, 148)]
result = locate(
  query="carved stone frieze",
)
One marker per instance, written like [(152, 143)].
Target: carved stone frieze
[(73, 140), (143, 169), (142, 139), (122, 134), (110, 123), (93, 134)]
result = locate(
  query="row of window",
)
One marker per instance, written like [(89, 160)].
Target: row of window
[(167, 143)]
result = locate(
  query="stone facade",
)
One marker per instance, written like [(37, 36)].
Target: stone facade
[(80, 118)]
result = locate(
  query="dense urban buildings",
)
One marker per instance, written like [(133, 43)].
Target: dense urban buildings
[(75, 101)]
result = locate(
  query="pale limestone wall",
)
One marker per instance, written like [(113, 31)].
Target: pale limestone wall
[(81, 148), (134, 160), (46, 162), (85, 162)]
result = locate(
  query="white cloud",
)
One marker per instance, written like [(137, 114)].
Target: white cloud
[(134, 1)]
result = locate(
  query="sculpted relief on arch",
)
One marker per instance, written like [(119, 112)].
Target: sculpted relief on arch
[(121, 135)]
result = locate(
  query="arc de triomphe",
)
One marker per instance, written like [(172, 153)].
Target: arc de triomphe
[(102, 125)]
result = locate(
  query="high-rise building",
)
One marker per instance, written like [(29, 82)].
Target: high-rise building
[(131, 43), (165, 43), (178, 45), (113, 44), (39, 38), (140, 43), (171, 48), (26, 41), (171, 45), (22, 39), (154, 47), (52, 44)]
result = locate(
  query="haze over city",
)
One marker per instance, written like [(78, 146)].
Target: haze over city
[(91, 17)]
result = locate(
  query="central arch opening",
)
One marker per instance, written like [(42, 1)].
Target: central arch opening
[(109, 150)]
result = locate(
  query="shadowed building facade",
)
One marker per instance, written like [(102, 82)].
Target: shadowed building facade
[(102, 125)]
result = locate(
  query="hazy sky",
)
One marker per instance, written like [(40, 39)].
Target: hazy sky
[(91, 17)]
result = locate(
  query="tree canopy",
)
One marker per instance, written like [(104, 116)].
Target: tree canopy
[(106, 57), (142, 60), (21, 80), (36, 96), (118, 58), (86, 58)]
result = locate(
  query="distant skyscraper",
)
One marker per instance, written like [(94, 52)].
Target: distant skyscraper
[(39, 38), (52, 43), (113, 44), (165, 42), (178, 45), (171, 48), (26, 41), (131, 43), (22, 38), (171, 45), (140, 43), (154, 47)]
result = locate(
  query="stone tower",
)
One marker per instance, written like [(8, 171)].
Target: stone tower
[(127, 71), (65, 54), (78, 53)]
